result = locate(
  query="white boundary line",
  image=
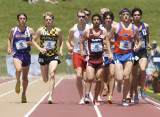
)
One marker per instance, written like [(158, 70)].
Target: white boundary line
[(30, 112), (95, 106), (149, 101), (10, 81), (21, 88), (157, 105)]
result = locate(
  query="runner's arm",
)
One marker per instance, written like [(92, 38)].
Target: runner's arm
[(137, 40), (108, 41), (9, 41), (84, 38), (60, 42), (69, 42), (35, 39), (148, 36)]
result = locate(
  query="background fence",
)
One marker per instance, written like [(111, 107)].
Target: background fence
[(62, 68)]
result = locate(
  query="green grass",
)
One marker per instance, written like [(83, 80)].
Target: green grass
[(154, 95), (65, 14)]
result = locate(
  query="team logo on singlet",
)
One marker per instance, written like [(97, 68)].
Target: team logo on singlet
[(101, 36)]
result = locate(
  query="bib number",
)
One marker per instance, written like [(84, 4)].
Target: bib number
[(96, 47), (49, 44), (21, 45), (125, 45)]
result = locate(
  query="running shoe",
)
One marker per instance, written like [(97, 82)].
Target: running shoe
[(136, 99), (99, 99), (87, 99), (17, 88), (24, 100), (95, 102), (119, 87), (105, 92), (109, 99), (50, 100), (124, 103), (143, 95), (82, 101), (128, 97), (131, 100)]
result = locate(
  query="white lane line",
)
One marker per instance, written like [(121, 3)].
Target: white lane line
[(95, 106), (30, 112), (21, 88), (157, 105), (10, 81)]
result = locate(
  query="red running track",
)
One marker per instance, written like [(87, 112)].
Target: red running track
[(66, 100)]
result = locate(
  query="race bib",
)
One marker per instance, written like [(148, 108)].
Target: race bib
[(125, 45), (96, 47), (144, 32), (21, 45), (156, 59), (49, 44)]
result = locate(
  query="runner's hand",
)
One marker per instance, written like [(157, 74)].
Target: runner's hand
[(29, 43), (9, 51), (43, 51), (149, 47), (82, 53), (61, 54), (136, 48), (70, 50), (110, 57)]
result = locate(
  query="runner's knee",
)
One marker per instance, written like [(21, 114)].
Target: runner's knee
[(19, 69), (52, 75)]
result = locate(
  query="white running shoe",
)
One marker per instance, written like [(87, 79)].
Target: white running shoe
[(124, 103), (99, 99), (81, 101)]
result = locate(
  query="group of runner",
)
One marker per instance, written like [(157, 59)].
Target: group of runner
[(104, 51)]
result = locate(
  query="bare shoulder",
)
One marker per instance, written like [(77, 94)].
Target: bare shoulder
[(72, 29), (87, 31), (105, 32), (146, 25), (115, 23), (115, 28), (12, 30), (40, 30), (58, 29), (31, 29)]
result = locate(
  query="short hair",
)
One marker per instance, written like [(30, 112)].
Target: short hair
[(81, 11), (104, 9), (136, 9), (87, 9), (48, 14), (125, 10), (20, 15), (97, 16), (108, 13)]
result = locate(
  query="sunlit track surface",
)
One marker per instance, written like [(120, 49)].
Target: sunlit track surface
[(65, 101)]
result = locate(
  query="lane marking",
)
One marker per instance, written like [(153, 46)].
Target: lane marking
[(155, 104), (20, 87), (7, 82), (95, 106), (35, 106)]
